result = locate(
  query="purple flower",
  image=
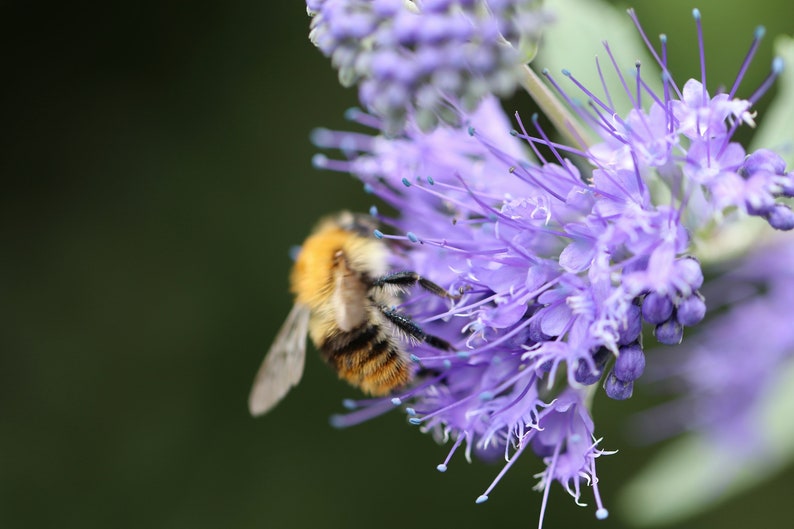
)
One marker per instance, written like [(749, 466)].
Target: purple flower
[(424, 58), (725, 369), (558, 266)]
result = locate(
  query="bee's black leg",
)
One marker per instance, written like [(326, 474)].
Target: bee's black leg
[(408, 279), (409, 327)]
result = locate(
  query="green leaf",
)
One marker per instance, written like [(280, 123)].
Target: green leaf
[(692, 474), (775, 130), (580, 28)]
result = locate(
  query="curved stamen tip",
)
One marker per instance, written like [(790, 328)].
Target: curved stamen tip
[(406, 183), (337, 421), (412, 236), (442, 467), (566, 72), (696, 13), (760, 31), (663, 38), (602, 514), (349, 404), (777, 65), (319, 161), (373, 211), (482, 499), (396, 401), (472, 130), (410, 411), (415, 421)]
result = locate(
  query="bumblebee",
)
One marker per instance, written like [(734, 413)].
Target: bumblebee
[(344, 301)]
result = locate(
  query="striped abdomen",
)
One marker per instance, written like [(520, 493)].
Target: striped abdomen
[(367, 357)]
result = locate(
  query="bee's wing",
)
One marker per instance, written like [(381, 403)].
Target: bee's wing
[(283, 364)]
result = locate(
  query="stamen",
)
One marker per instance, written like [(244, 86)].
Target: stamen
[(620, 74), (484, 496), (443, 466), (553, 150), (571, 103), (604, 83), (701, 48), (588, 93), (777, 69), (601, 513), (549, 480), (757, 37), (362, 415), (356, 115)]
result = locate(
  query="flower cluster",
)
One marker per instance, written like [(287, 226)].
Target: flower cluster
[(728, 366), (561, 255), (420, 58)]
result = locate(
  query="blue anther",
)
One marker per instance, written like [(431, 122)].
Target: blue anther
[(696, 13), (396, 401), (406, 183), (486, 396), (349, 404), (482, 499), (368, 189), (415, 358), (373, 211), (442, 467), (378, 234), (602, 514), (319, 161), (760, 31), (471, 131), (415, 420), (462, 354), (352, 113), (777, 65), (431, 181), (447, 364), (566, 72), (410, 411), (412, 236)]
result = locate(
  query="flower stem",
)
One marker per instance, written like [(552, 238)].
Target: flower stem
[(559, 115)]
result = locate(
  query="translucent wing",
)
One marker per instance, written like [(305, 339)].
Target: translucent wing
[(283, 364)]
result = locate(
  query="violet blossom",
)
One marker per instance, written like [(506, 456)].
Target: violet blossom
[(420, 58), (726, 368), (560, 255)]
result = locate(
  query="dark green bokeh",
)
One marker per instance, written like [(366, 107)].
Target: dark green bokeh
[(157, 169)]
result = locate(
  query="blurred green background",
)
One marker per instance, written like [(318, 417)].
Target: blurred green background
[(156, 170)]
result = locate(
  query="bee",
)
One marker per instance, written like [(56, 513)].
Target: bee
[(344, 301)]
